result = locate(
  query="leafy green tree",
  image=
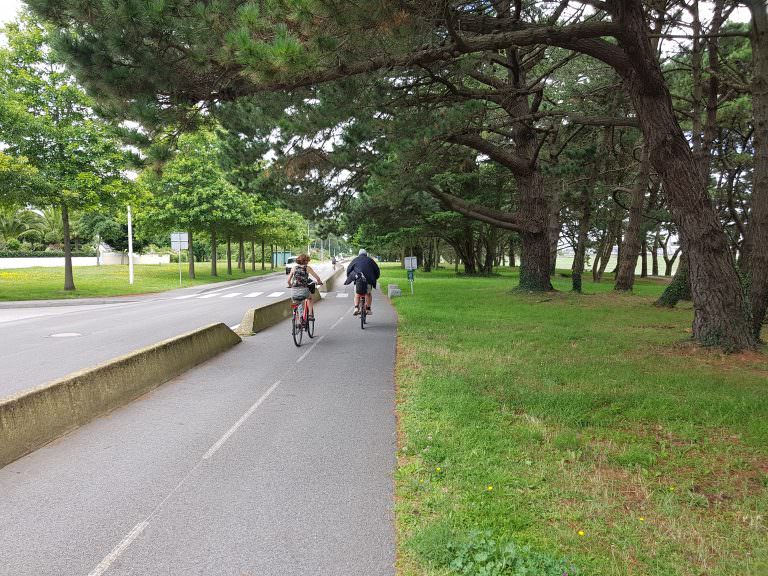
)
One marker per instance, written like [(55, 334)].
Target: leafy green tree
[(48, 119), (192, 193)]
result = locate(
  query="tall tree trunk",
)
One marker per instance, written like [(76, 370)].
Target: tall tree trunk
[(577, 269), (585, 205), (644, 259), (512, 263), (535, 250), (214, 253), (263, 255), (630, 250), (553, 229), (272, 256), (605, 249), (229, 254), (720, 310), (241, 258), (756, 242), (679, 288), (69, 279), (655, 255), (253, 255), (191, 255)]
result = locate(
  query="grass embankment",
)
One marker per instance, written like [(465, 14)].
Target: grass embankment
[(583, 427), (48, 283)]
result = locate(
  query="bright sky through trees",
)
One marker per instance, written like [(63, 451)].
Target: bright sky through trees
[(9, 9)]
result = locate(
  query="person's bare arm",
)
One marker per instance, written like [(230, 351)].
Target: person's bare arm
[(316, 277)]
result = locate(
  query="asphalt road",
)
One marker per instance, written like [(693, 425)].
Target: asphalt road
[(40, 344), (268, 460)]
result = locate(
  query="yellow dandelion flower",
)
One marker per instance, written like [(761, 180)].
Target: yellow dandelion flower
[(490, 488), (438, 468), (642, 519), (581, 532)]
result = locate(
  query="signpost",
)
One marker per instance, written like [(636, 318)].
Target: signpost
[(411, 263), (179, 242)]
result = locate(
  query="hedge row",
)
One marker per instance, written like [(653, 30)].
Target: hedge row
[(33, 254)]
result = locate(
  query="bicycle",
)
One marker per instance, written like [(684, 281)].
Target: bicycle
[(363, 312), (300, 322), (362, 307)]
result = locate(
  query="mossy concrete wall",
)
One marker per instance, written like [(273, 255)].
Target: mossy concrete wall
[(34, 418)]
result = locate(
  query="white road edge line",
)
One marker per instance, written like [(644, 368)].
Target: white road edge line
[(310, 349), (337, 322), (220, 442), (119, 549)]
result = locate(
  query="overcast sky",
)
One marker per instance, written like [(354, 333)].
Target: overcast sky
[(8, 10)]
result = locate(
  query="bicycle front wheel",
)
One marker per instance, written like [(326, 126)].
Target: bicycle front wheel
[(311, 328), (296, 330)]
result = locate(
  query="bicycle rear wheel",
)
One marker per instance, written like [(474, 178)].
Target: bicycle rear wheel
[(310, 328), (296, 330), (362, 314)]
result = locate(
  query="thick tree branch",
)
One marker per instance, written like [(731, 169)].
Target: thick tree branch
[(518, 165), (499, 218)]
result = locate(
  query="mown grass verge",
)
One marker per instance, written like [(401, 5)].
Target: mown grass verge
[(554, 434), (92, 281)]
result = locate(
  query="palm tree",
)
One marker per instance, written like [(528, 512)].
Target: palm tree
[(19, 223), (52, 226)]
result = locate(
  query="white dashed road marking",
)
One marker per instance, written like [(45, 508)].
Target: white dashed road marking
[(207, 296), (275, 294), (232, 295), (185, 297), (253, 294), (212, 450), (342, 295)]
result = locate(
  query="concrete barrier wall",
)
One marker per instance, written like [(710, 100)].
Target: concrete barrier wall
[(31, 419), (45, 262), (116, 258)]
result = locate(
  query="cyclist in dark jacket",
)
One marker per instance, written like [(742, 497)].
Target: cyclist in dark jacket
[(366, 266)]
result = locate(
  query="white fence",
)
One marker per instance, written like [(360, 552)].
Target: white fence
[(108, 258)]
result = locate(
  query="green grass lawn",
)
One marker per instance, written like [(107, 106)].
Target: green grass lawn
[(48, 283), (573, 434)]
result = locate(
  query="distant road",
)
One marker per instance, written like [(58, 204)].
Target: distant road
[(41, 344)]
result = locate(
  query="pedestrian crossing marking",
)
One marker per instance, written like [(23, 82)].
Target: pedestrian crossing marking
[(231, 294), (275, 294), (253, 294)]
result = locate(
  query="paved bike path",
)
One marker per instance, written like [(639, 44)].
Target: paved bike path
[(268, 460)]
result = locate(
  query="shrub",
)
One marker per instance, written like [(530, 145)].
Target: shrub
[(39, 254)]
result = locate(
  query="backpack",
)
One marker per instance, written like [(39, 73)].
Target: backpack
[(361, 284)]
